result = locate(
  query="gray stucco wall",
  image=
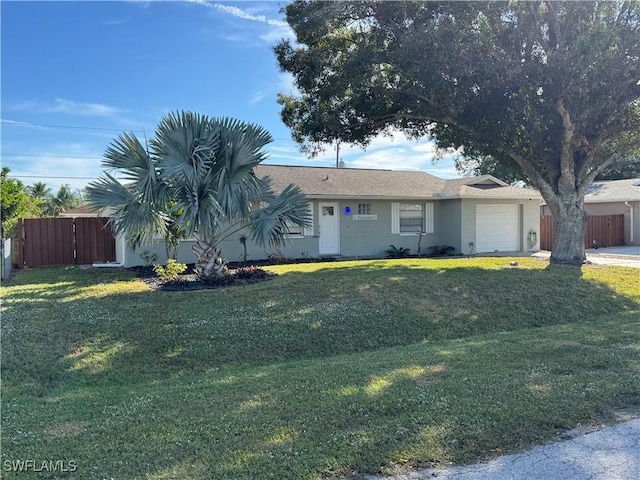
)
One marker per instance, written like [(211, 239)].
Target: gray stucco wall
[(358, 238), (371, 238), (449, 223), (231, 249), (454, 225)]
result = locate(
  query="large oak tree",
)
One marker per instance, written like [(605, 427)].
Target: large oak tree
[(552, 88)]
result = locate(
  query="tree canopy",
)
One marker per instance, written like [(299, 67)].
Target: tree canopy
[(510, 172), (16, 203), (53, 205), (551, 89)]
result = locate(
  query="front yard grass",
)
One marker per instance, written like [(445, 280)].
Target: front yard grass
[(330, 370)]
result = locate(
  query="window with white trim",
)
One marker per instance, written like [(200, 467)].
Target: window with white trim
[(298, 231), (293, 230), (411, 218)]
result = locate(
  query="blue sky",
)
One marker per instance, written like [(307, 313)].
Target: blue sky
[(76, 74)]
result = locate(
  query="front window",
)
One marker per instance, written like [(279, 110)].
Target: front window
[(293, 229), (411, 218)]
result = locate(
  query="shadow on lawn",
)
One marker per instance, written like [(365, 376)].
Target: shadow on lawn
[(417, 407), (211, 380), (328, 312), (59, 282), (413, 406)]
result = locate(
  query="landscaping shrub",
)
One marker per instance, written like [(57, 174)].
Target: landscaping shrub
[(171, 271)]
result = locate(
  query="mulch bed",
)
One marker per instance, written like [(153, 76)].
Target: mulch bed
[(188, 281)]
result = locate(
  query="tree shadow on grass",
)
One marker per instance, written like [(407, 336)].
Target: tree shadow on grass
[(356, 369), (327, 312), (34, 284), (383, 411)]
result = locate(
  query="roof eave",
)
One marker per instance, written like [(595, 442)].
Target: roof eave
[(316, 196)]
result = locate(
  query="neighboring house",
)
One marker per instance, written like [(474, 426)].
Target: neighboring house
[(614, 198), (84, 211), (360, 213)]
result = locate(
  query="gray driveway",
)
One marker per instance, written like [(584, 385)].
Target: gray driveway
[(625, 256)]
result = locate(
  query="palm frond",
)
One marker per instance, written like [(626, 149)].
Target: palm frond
[(140, 224), (107, 192), (240, 152), (127, 154), (134, 216), (186, 145), (201, 211), (268, 226)]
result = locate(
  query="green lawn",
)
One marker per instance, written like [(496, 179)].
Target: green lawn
[(329, 370)]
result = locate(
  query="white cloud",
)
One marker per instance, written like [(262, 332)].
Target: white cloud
[(428, 148), (258, 96), (393, 152), (117, 21), (392, 159), (283, 83), (57, 165), (69, 107), (277, 29), (276, 34), (284, 149), (20, 124), (287, 84), (238, 12)]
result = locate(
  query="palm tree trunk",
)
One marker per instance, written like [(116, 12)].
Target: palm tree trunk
[(209, 261)]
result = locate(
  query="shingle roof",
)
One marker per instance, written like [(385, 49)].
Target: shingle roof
[(81, 211), (326, 182), (614, 191)]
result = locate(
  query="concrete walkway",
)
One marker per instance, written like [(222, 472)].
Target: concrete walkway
[(612, 453), (625, 256)]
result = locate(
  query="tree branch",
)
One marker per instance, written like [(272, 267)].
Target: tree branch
[(538, 180), (567, 164), (555, 33)]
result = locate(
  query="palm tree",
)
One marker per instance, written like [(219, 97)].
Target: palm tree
[(64, 199), (38, 190), (197, 172)]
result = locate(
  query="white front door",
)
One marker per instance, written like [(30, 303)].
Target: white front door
[(329, 223), (497, 228)]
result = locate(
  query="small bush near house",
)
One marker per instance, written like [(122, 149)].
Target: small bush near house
[(149, 258), (397, 252), (171, 271)]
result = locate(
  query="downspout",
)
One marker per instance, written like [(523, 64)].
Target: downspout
[(627, 204)]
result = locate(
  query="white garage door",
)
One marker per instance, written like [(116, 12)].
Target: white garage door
[(497, 228)]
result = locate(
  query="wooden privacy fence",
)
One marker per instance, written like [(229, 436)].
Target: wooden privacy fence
[(65, 241), (606, 230)]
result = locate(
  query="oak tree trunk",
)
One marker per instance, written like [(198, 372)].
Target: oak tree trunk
[(569, 224)]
